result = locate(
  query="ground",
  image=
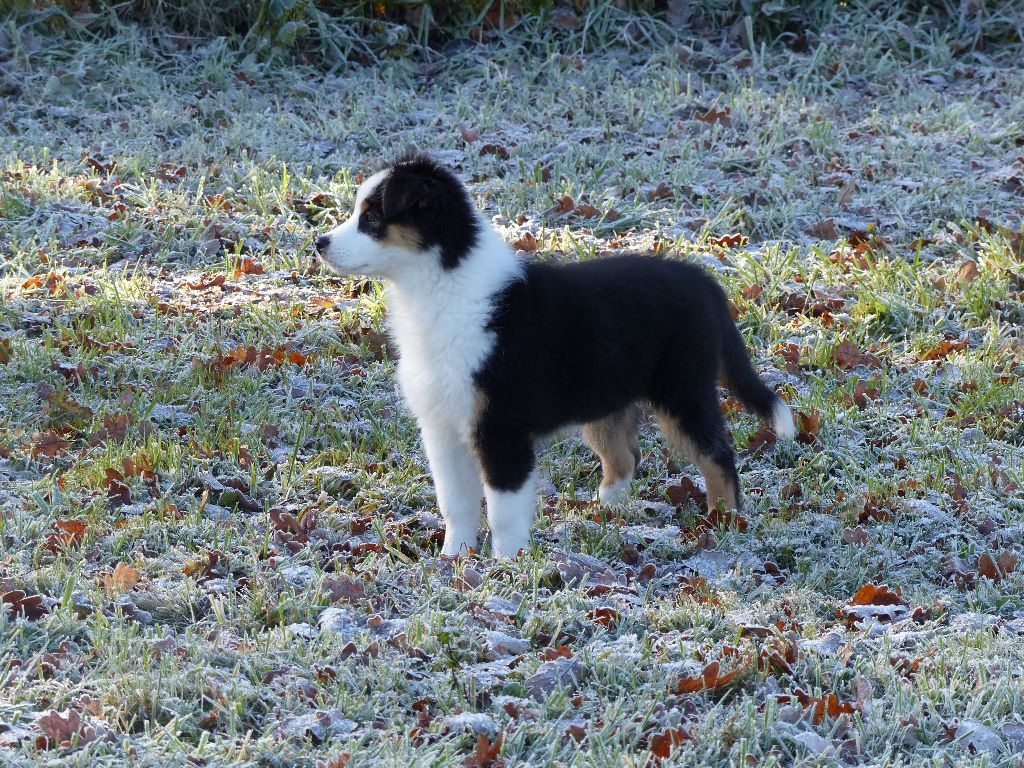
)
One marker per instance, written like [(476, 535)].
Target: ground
[(219, 537)]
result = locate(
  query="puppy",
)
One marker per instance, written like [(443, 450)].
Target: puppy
[(495, 353)]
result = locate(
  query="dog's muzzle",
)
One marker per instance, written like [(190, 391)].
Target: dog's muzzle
[(321, 244)]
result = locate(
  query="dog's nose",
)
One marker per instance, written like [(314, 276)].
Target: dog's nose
[(321, 244)]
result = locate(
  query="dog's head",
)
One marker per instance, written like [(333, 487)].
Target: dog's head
[(414, 215)]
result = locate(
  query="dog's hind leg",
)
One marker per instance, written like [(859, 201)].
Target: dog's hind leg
[(694, 424), (507, 457), (457, 483), (613, 439)]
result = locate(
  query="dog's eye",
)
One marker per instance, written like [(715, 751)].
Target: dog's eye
[(370, 217)]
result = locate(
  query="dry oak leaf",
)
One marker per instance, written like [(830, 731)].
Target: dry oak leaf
[(48, 444), (248, 267), (69, 533), (944, 349), (5, 351), (846, 194), (763, 439), (565, 204), (686, 490), (876, 594), (122, 579), (606, 617), (808, 424), (526, 242), (660, 192), (115, 427), (344, 589), (857, 536), (485, 754), (848, 355), (118, 491), (734, 240), (878, 602), (51, 281), (968, 272), (997, 568), (862, 393), (820, 707), (824, 230), (495, 149), (661, 744), (63, 401), (59, 727), (16, 601), (714, 116), (711, 678), (207, 282)]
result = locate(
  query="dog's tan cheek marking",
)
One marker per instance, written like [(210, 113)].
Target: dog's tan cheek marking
[(718, 484), (400, 236)]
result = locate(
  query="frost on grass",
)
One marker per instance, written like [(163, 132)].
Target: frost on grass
[(219, 539)]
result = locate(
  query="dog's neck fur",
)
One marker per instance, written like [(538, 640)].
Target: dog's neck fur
[(443, 315)]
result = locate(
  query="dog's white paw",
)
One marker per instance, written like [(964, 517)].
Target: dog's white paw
[(614, 495), (456, 544)]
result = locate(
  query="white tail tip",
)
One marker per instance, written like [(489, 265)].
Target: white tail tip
[(782, 420)]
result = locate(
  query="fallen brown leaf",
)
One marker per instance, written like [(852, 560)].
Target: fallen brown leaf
[(247, 267), (968, 272), (661, 744), (485, 754), (998, 568), (606, 617), (944, 349), (848, 355), (69, 533), (118, 491), (48, 444), (122, 579), (206, 282), (823, 230), (711, 678), (713, 115), (15, 601), (526, 242)]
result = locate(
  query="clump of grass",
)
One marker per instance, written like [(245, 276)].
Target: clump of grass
[(335, 31)]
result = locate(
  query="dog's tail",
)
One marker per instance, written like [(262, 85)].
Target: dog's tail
[(743, 380)]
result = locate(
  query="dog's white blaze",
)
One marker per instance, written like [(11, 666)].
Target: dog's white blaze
[(510, 516), (782, 420), (351, 252)]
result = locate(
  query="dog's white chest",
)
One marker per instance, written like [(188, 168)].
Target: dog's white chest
[(441, 345)]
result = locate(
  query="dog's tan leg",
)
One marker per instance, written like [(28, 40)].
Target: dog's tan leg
[(613, 439), (719, 471)]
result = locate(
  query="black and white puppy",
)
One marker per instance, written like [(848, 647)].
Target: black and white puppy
[(495, 353)]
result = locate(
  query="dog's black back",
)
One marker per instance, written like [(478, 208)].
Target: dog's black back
[(576, 343)]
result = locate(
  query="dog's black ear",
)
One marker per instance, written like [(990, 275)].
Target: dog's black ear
[(427, 196), (408, 189)]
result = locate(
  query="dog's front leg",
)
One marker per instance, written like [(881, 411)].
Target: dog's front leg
[(457, 484), (510, 514), (507, 459)]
